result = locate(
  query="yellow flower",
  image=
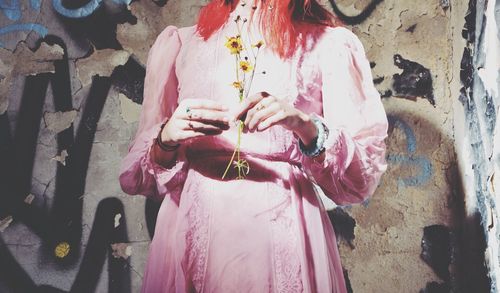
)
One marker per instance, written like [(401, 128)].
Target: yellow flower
[(258, 44), (234, 44), (237, 85), (246, 66)]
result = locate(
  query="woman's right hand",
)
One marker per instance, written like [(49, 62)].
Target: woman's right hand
[(193, 118)]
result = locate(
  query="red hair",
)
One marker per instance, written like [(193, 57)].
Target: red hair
[(280, 25)]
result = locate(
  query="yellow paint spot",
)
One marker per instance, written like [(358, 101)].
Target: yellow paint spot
[(62, 249)]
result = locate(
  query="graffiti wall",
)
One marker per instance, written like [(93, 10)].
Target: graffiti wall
[(71, 82)]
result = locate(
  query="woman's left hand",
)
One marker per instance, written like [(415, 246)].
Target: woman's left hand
[(262, 110)]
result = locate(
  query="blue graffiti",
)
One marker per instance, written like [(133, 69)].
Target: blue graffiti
[(411, 159), (83, 11), (12, 10), (35, 4), (40, 29)]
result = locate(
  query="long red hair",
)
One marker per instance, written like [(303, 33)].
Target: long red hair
[(280, 25)]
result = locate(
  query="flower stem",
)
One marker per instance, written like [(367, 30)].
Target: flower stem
[(253, 73), (236, 150), (238, 165), (229, 164)]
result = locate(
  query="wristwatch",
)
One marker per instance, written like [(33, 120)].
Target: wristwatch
[(318, 145)]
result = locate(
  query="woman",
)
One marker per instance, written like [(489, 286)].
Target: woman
[(310, 114)]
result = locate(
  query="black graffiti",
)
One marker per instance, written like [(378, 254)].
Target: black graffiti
[(435, 287), (99, 27), (466, 70), (160, 3), (347, 281), (436, 249), (469, 29), (98, 246), (343, 225), (415, 80), (129, 80), (355, 19), (411, 28), (63, 223)]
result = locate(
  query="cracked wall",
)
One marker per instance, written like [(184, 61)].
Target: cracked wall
[(71, 81)]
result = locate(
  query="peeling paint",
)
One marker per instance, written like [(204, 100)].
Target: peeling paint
[(5, 222), (445, 4), (129, 110), (117, 220), (100, 63), (121, 250), (59, 121), (29, 198), (61, 157), (23, 62)]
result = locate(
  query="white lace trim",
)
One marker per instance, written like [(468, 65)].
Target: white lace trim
[(197, 240), (285, 247)]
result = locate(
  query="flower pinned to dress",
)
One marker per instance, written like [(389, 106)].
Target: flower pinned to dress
[(246, 66), (258, 44), (237, 85), (244, 168), (234, 44)]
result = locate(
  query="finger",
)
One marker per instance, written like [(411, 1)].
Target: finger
[(249, 103), (203, 104), (203, 127), (189, 134), (206, 116), (272, 120), (258, 107), (263, 114)]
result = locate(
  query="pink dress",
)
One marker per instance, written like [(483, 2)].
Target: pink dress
[(268, 232)]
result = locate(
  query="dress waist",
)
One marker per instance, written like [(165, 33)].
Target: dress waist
[(202, 155)]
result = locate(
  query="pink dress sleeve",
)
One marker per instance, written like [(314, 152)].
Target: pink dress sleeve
[(355, 116), (139, 174)]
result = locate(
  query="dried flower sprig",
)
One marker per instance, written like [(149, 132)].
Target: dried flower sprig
[(236, 46)]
